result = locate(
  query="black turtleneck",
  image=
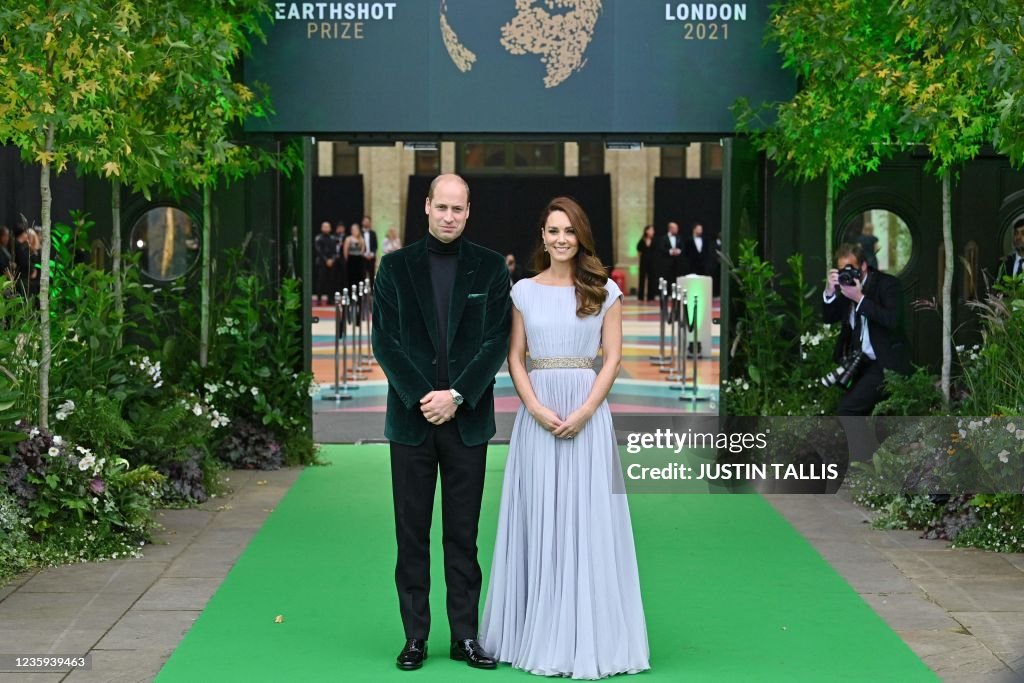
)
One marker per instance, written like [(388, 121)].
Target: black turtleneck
[(443, 261)]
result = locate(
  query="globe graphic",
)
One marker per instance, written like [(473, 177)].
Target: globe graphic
[(557, 32)]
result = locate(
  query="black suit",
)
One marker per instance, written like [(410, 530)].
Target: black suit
[(412, 342), (882, 311), (694, 261), (370, 237), (1008, 263), (669, 267)]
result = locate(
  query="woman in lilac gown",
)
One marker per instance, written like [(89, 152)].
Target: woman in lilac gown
[(564, 591)]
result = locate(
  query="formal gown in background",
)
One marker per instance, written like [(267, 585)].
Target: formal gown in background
[(564, 593)]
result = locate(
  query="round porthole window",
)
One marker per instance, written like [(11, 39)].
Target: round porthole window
[(168, 242), (884, 237)]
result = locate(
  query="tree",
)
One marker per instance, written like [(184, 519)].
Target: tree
[(59, 67), (205, 107), (940, 76), (835, 126)]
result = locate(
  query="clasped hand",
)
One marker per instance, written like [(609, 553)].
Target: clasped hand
[(438, 406), (559, 428)]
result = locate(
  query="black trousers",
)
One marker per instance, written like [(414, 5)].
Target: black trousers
[(865, 393), (413, 480), (647, 283)]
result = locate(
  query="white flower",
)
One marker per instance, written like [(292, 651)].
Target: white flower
[(197, 410), (745, 386), (83, 450), (960, 348), (1004, 456), (255, 391), (58, 440), (54, 451), (61, 416), (963, 434), (34, 432), (86, 462), (1011, 427), (95, 500), (1020, 434)]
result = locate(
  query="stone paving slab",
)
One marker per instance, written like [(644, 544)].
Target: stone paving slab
[(961, 610), (131, 614)]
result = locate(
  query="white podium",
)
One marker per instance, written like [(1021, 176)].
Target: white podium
[(699, 302)]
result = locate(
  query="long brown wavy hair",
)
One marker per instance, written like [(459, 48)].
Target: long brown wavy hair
[(588, 273)]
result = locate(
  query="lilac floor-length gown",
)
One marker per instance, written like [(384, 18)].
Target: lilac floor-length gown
[(564, 592)]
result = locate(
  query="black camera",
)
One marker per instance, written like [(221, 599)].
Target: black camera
[(846, 373), (849, 275)]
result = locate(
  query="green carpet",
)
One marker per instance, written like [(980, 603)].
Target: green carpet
[(731, 593)]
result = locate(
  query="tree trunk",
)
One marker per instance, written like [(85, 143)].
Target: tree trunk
[(830, 202), (115, 255), (204, 305), (44, 286), (947, 287)]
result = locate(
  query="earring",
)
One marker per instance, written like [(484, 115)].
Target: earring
[(545, 247)]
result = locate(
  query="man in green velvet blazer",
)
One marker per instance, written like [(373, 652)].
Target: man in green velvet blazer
[(441, 322)]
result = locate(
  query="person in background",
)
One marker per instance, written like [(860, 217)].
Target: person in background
[(869, 244), (391, 242), (354, 251), (696, 254), (515, 274), (35, 249), (324, 257), (369, 249), (670, 254), (647, 284), (1013, 264)]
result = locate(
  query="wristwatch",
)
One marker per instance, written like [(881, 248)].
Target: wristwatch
[(456, 397)]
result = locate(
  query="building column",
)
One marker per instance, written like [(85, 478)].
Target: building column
[(385, 172), (632, 175)]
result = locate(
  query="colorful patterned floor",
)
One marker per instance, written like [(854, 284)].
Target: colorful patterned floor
[(640, 388)]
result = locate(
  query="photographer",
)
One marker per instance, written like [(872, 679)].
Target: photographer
[(869, 304)]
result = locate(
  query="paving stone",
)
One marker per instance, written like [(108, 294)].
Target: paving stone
[(981, 594), (954, 562), (63, 610), (30, 678), (954, 654), (910, 612), (122, 666), (911, 539), (1002, 633), (148, 629), (15, 583), (161, 552), (1016, 559), (49, 638), (178, 594), (194, 563), (115, 576), (874, 577), (230, 536)]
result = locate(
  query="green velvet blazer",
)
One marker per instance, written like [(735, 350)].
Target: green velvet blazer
[(405, 339)]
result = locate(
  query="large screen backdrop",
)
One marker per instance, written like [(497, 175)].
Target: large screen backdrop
[(477, 66)]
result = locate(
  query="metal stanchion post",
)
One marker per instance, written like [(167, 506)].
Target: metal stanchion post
[(670, 307), (693, 390), (368, 317), (675, 368), (679, 371), (661, 359), (339, 390), (360, 358), (353, 319)]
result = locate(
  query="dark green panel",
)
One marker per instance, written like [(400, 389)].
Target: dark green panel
[(467, 66)]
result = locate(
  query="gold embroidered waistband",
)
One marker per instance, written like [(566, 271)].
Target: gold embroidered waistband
[(562, 362)]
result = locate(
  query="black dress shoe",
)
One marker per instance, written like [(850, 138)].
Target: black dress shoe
[(470, 652), (412, 655)]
